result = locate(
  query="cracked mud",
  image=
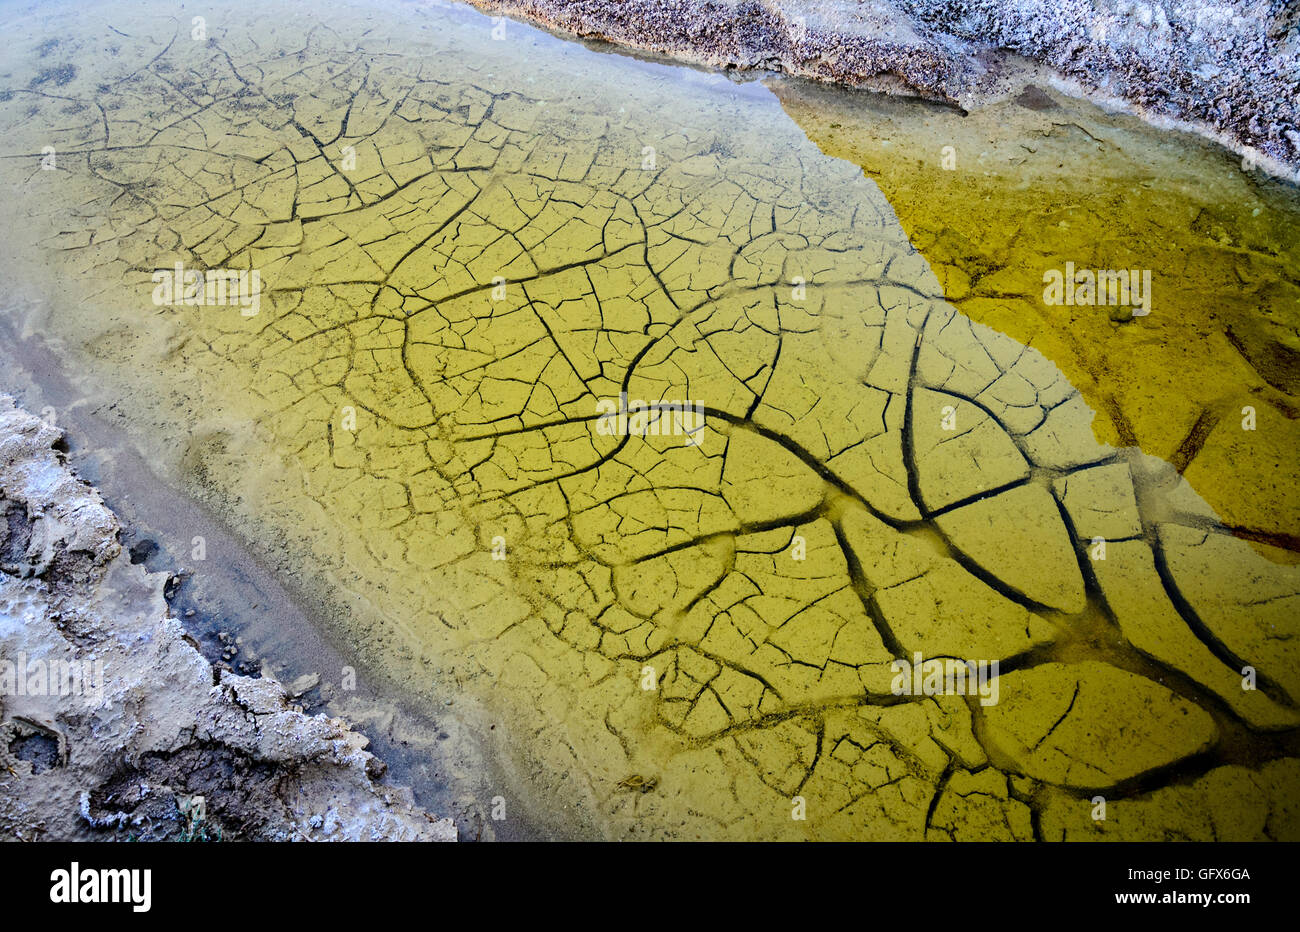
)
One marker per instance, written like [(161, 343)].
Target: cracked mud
[(877, 475), (1041, 180)]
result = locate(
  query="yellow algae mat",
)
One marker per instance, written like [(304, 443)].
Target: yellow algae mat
[(995, 198), (591, 396)]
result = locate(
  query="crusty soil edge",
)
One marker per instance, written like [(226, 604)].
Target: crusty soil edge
[(1252, 108), (124, 753)]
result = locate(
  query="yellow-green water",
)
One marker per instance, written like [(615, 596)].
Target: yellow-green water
[(467, 243), (1039, 180)]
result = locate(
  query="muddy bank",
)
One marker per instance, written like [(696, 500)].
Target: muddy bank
[(236, 606), (111, 722), (1229, 68)]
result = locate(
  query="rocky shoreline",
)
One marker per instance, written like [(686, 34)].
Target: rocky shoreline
[(1229, 69), (113, 725)]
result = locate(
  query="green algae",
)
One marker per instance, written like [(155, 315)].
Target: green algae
[(465, 246)]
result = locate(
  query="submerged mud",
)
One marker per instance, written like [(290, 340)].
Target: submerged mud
[(467, 248), (996, 197)]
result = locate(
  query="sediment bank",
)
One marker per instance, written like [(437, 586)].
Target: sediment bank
[(112, 724), (1230, 69)]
